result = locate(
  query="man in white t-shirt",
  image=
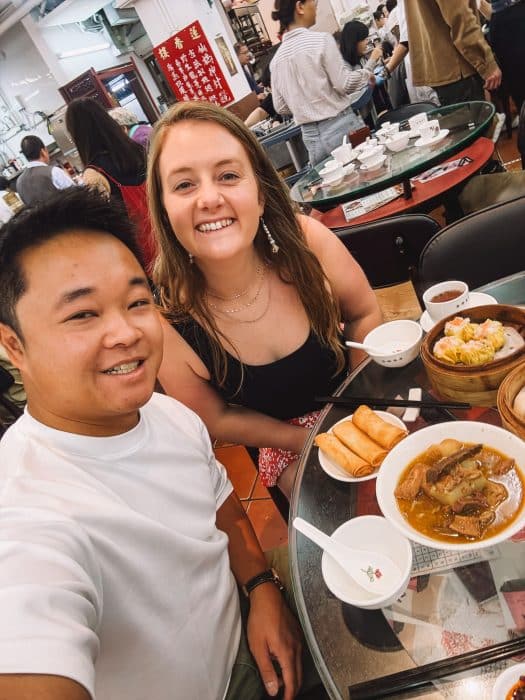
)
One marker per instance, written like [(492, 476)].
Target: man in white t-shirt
[(121, 540)]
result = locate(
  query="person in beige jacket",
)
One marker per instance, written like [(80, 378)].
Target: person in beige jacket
[(447, 48)]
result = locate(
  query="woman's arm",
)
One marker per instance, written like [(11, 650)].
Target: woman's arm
[(358, 303), (184, 376)]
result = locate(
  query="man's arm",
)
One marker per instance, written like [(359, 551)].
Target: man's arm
[(466, 34), (273, 632), (39, 687), (61, 179)]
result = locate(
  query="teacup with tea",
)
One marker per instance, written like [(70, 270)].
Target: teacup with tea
[(445, 298)]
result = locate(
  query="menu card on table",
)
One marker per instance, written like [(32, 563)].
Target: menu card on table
[(358, 207)]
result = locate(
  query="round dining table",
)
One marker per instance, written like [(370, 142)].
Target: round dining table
[(458, 625), (465, 122)]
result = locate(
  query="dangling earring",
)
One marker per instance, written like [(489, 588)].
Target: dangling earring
[(271, 240), (190, 256)]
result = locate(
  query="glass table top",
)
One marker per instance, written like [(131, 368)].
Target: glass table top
[(444, 614), (465, 122)]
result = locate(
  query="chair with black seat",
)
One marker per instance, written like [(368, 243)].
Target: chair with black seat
[(388, 250), (405, 112), (477, 249)]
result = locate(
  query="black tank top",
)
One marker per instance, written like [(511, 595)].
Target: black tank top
[(283, 389)]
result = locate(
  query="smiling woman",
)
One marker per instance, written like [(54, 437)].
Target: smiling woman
[(253, 293)]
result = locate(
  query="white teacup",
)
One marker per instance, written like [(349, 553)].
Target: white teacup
[(343, 154), (438, 301), (417, 121), (429, 130), (392, 129)]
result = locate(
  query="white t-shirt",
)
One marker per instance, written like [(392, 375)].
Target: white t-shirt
[(112, 571)]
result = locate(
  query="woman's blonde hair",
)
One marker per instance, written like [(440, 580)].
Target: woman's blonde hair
[(181, 285)]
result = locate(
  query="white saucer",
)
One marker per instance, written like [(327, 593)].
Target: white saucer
[(374, 165), (474, 299), (337, 472), (422, 143), (506, 680)]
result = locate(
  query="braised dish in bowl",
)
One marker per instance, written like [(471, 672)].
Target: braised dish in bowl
[(468, 355), (457, 485)]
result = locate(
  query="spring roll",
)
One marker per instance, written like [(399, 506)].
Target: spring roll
[(360, 443), (386, 434), (341, 455)]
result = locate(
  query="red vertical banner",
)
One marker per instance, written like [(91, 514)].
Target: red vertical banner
[(189, 64)]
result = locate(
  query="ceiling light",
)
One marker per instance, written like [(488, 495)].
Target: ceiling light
[(84, 50)]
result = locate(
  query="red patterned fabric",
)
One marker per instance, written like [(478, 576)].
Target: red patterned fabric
[(273, 461)]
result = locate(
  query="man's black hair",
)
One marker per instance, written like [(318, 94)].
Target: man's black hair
[(72, 209), (31, 147)]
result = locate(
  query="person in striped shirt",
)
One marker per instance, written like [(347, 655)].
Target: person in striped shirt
[(311, 81)]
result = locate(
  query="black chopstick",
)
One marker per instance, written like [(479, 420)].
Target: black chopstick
[(385, 403), (418, 677)]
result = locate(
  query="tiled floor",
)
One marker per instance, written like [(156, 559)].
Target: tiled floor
[(266, 519)]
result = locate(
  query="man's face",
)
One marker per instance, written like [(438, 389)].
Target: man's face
[(92, 340), (244, 55)]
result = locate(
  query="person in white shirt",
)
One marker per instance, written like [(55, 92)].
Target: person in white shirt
[(39, 180), (311, 81), (121, 540)]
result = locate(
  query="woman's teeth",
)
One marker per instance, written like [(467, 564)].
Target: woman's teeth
[(214, 225), (123, 369)]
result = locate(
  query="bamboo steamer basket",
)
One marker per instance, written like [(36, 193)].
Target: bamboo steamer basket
[(477, 385), (509, 387)]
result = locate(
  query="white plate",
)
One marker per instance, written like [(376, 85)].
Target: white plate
[(474, 299), (337, 472), (421, 142), (506, 680)]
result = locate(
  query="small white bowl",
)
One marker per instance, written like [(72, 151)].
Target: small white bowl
[(439, 309), (370, 532), (506, 679), (399, 340), (349, 168), (397, 142), (343, 154), (370, 154), (329, 167), (400, 456), (373, 165)]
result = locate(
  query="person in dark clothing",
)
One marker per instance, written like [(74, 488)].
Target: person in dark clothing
[(114, 164), (235, 264)]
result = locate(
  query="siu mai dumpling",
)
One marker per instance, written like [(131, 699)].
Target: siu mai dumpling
[(491, 332), (447, 349), (476, 352), (461, 328)]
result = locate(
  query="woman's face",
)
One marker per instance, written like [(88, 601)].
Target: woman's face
[(362, 47), (209, 191)]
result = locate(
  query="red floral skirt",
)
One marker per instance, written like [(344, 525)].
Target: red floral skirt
[(273, 461)]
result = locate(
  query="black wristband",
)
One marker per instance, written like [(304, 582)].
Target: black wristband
[(268, 576)]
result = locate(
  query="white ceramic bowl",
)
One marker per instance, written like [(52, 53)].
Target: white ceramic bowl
[(329, 167), (349, 168), (334, 178), (373, 165), (370, 532), (397, 142), (400, 340), (370, 154), (506, 679), (440, 309), (410, 447)]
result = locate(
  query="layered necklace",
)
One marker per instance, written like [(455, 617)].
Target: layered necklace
[(260, 273)]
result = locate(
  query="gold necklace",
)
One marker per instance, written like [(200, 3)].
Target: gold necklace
[(258, 271), (258, 318), (243, 306)]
